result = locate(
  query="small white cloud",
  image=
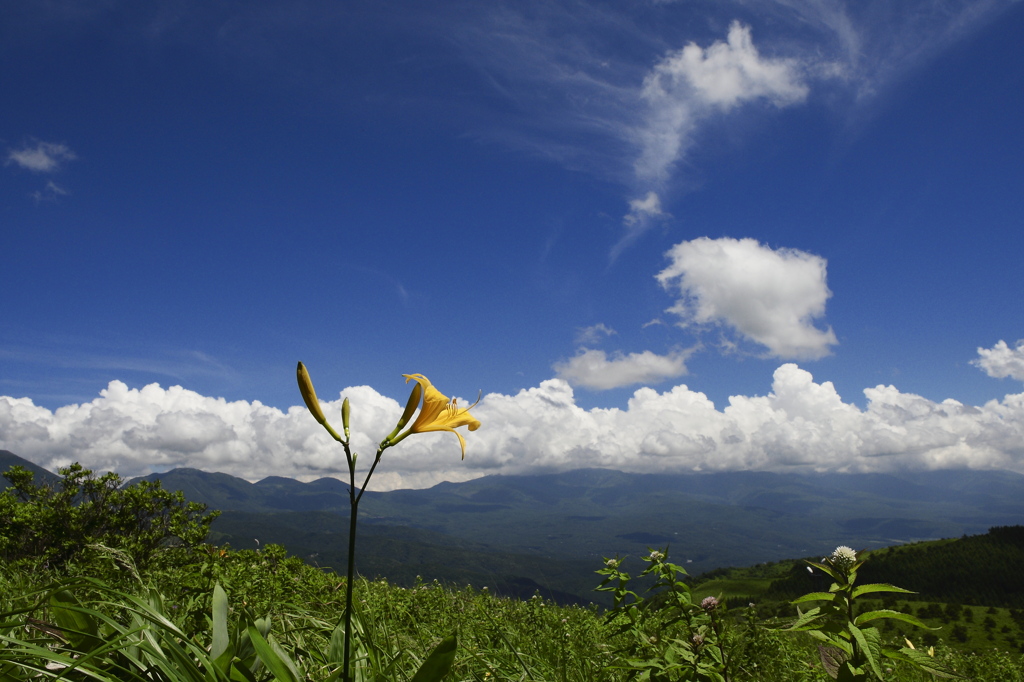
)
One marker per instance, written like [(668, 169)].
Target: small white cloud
[(770, 297), (638, 220), (1000, 361), (588, 336), (44, 157), (644, 209), (594, 370)]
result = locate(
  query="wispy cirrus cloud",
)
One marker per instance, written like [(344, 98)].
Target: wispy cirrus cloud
[(40, 157), (51, 192), (588, 336), (625, 94), (619, 91), (688, 86)]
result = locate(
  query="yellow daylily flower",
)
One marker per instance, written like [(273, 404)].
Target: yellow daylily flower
[(439, 413)]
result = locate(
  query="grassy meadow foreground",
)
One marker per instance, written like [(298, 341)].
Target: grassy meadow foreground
[(101, 581), (162, 624)]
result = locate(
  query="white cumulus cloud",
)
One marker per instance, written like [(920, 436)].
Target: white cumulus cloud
[(769, 296), (595, 370), (1000, 361), (800, 425)]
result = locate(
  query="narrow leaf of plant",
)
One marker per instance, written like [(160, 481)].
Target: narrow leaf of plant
[(439, 662), (79, 627), (870, 641), (272, 659), (878, 587), (220, 623), (892, 615)]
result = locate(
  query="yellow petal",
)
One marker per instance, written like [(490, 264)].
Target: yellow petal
[(438, 413)]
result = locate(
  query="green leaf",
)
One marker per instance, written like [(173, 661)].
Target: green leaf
[(276, 661), (336, 649), (893, 615), (849, 673), (439, 662), (870, 641), (831, 659), (221, 641), (803, 620), (825, 568), (923, 661), (813, 596), (878, 587), (80, 628)]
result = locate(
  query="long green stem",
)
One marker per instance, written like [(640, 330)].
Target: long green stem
[(353, 500), (716, 626), (348, 585)]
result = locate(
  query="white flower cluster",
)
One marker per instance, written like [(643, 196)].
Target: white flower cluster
[(843, 557)]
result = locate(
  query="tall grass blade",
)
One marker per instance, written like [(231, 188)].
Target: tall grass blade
[(439, 662)]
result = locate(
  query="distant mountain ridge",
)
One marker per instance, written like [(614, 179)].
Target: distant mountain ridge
[(551, 531), (714, 519)]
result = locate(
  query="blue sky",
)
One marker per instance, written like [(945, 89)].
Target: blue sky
[(688, 198)]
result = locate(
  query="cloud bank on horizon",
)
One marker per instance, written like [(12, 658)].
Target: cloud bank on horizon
[(800, 425)]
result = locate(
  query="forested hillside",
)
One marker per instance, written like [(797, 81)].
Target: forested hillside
[(978, 569)]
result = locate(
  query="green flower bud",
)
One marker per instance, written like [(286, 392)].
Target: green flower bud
[(410, 408), (346, 409), (309, 395), (312, 404)]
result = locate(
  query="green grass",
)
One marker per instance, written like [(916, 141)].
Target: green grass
[(730, 588), (499, 638)]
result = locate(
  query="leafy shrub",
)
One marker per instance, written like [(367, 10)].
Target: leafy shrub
[(56, 523)]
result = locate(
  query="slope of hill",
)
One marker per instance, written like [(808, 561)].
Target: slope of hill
[(978, 569), (407, 555), (554, 529), (550, 532), (9, 459)]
